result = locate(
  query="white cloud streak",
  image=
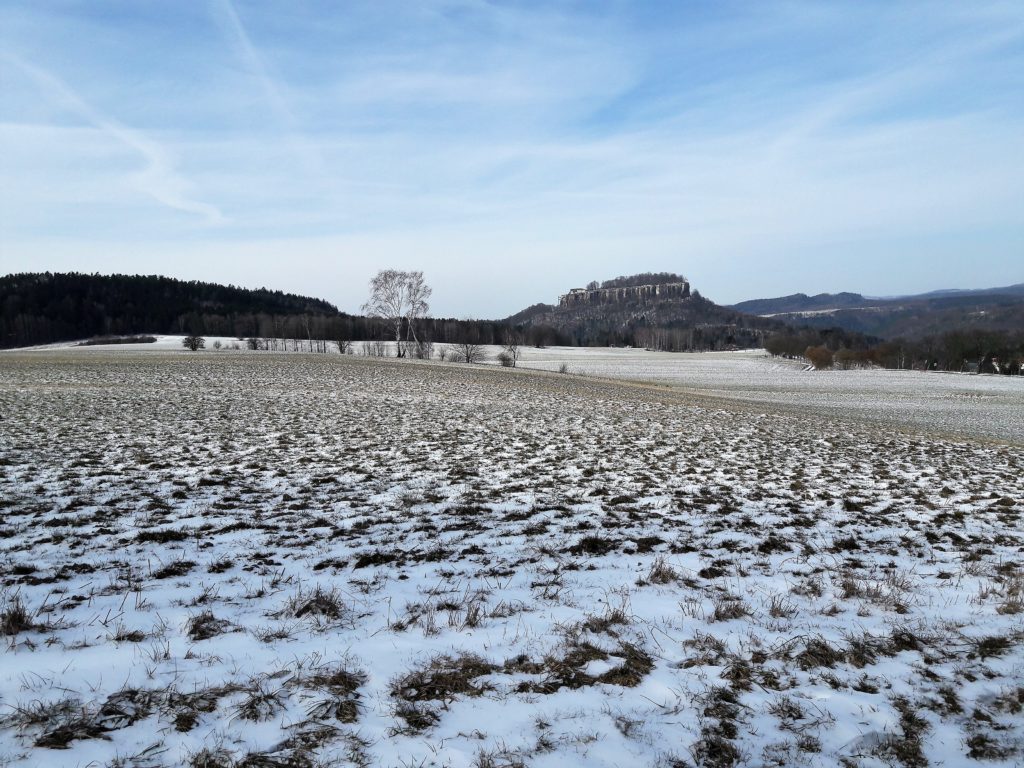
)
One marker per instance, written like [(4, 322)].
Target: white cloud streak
[(273, 90), (159, 179)]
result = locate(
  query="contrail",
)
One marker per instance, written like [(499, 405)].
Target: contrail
[(158, 178), (278, 103)]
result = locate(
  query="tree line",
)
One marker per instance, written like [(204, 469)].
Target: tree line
[(975, 350), (643, 278), (43, 308), (40, 308)]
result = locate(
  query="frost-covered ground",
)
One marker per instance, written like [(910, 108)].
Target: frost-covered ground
[(256, 559), (953, 403)]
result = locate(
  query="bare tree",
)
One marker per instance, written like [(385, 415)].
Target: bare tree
[(416, 294), (387, 301), (468, 352), (399, 299), (510, 350)]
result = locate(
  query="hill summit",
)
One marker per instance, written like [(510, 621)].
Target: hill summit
[(655, 310)]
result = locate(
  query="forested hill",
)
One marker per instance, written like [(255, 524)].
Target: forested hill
[(39, 308), (910, 317)]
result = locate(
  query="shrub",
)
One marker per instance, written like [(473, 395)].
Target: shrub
[(820, 357), (193, 342)]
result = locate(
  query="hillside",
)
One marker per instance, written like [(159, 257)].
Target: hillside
[(800, 302), (905, 316), (658, 311), (40, 308)]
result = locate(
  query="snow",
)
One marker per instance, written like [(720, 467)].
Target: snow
[(985, 406), (981, 406), (545, 569)]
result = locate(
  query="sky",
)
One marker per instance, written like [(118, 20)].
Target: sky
[(512, 151)]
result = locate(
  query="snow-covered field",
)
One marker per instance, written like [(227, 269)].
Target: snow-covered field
[(951, 403), (959, 405), (227, 559)]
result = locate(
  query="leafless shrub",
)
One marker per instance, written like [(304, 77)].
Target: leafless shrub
[(820, 357), (467, 352)]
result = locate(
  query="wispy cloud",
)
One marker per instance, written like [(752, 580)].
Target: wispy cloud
[(158, 178), (273, 90)]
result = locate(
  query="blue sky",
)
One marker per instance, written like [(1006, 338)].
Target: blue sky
[(514, 150)]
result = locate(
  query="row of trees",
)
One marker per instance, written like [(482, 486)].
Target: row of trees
[(643, 278), (464, 352), (965, 350)]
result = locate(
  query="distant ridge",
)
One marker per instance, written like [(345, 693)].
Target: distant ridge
[(43, 307), (800, 302), (1008, 290), (911, 316)]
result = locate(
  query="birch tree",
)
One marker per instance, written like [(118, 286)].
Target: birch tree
[(400, 300), (416, 294)]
